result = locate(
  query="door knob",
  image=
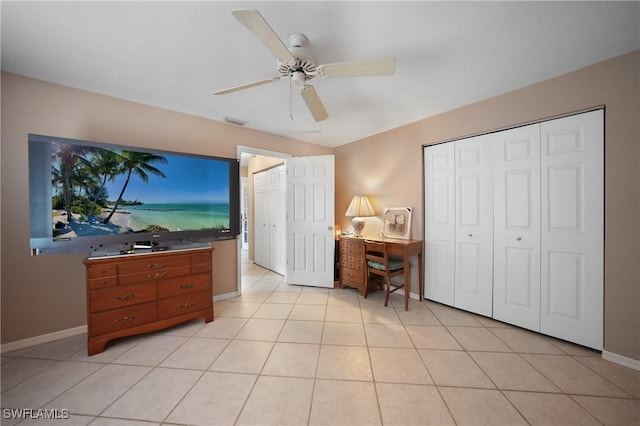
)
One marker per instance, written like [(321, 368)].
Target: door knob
[(330, 228), (519, 239), (471, 235)]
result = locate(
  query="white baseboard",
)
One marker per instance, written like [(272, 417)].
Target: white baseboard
[(225, 296), (622, 360), (50, 337), (44, 338)]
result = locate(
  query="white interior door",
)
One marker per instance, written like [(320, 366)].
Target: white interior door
[(572, 157), (474, 225), (310, 220), (277, 219), (439, 223), (516, 200), (261, 220)]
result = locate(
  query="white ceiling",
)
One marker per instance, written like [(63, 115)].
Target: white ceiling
[(175, 54)]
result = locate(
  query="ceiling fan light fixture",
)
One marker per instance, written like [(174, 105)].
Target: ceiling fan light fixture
[(297, 63)]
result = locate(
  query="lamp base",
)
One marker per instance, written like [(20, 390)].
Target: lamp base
[(358, 226)]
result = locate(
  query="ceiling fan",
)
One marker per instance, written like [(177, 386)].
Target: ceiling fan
[(298, 64)]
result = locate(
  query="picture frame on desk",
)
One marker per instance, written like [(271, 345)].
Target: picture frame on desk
[(397, 222)]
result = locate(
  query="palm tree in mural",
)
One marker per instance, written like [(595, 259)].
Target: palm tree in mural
[(139, 164), (68, 155), (103, 165)]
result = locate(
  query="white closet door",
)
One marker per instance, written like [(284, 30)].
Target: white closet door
[(572, 280), (439, 222), (516, 253), (474, 225), (278, 219), (261, 220)]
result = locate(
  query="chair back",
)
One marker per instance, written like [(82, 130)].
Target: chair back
[(376, 251), (381, 265)]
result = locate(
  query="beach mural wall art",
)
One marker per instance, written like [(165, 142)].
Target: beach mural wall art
[(101, 191)]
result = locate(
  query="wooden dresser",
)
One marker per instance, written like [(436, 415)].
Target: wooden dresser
[(139, 293)]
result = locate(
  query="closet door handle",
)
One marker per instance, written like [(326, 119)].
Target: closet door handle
[(518, 239)]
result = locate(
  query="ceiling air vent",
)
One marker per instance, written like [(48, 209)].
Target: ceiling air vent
[(235, 121)]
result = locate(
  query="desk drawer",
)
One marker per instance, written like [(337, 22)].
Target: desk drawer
[(352, 275)]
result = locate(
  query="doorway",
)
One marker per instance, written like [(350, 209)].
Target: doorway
[(252, 160)]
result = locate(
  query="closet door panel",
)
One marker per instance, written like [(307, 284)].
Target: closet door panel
[(278, 220), (439, 222), (474, 225), (261, 238), (573, 228), (516, 280)]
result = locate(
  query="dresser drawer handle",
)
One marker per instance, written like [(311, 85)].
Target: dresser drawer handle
[(156, 265), (156, 275), (186, 286), (186, 305), (126, 296), (125, 319)]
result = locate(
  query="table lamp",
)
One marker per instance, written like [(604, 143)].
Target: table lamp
[(359, 208)]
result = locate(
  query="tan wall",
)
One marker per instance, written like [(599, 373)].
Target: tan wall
[(44, 294), (388, 167)]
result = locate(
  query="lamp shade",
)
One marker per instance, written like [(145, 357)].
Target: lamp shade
[(360, 207)]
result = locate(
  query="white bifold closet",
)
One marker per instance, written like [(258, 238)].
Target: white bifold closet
[(269, 198), (514, 226)]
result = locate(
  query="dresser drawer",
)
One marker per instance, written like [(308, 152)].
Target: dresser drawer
[(153, 265), (200, 267), (119, 319), (99, 271), (96, 283), (201, 258), (183, 304), (183, 285), (120, 296), (155, 274)]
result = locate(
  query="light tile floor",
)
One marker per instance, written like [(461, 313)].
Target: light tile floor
[(290, 355)]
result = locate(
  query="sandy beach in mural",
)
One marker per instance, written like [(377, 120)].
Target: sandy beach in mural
[(142, 218), (119, 224)]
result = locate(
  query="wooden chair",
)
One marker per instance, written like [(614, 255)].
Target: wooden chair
[(381, 265)]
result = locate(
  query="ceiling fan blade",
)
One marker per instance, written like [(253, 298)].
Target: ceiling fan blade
[(246, 86), (261, 29), (314, 103), (358, 68)]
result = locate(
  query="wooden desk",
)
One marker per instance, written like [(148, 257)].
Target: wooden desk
[(353, 270)]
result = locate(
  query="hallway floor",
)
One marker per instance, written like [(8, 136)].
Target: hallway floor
[(282, 354)]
